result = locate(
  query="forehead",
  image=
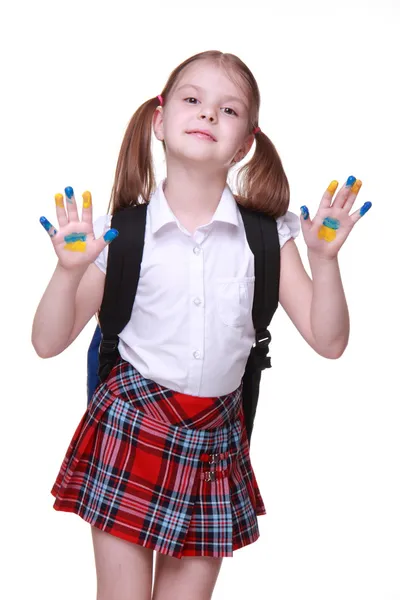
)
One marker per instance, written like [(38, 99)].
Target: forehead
[(210, 77)]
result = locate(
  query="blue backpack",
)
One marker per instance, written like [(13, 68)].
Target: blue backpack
[(122, 277)]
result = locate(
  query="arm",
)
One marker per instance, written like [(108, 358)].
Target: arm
[(317, 307), (70, 300)]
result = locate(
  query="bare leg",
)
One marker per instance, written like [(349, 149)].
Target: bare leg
[(188, 578), (124, 570)]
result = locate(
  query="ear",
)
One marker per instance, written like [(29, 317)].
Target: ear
[(244, 148), (158, 127)]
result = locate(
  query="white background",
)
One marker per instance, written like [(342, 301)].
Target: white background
[(326, 444)]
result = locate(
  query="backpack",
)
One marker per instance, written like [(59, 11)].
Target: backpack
[(122, 277)]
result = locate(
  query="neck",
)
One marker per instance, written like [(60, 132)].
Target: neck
[(192, 195)]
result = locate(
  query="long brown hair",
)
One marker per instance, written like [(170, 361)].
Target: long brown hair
[(261, 182)]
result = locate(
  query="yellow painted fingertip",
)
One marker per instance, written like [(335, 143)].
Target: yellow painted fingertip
[(332, 187), (356, 186), (59, 198), (87, 199)]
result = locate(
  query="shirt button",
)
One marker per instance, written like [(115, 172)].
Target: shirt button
[(196, 249), (197, 301), (196, 354)]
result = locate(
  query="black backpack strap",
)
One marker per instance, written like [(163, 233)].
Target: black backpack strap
[(263, 239), (122, 276)]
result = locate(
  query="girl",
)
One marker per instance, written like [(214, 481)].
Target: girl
[(169, 414)]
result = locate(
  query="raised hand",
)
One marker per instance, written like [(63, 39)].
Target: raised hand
[(327, 232), (74, 241)]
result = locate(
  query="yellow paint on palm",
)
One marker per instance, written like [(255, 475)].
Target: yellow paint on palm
[(59, 200), (332, 186), (75, 242), (87, 199), (326, 233), (356, 186), (78, 246)]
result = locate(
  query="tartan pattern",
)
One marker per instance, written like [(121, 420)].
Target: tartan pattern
[(139, 467)]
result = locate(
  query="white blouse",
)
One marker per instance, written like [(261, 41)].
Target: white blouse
[(191, 326)]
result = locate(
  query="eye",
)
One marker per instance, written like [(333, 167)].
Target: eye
[(190, 98), (233, 112)]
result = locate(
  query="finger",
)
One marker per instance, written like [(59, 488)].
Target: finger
[(344, 192), (87, 211), (329, 192), (60, 210), (107, 238), (51, 230), (72, 209), (305, 221), (356, 216), (353, 195)]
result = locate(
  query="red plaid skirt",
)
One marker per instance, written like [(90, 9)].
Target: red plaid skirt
[(165, 470)]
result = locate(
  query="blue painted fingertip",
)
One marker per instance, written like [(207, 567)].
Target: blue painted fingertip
[(110, 235), (304, 212), (350, 181), (46, 224), (365, 208), (69, 192)]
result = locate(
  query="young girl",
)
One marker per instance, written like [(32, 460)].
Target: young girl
[(138, 466)]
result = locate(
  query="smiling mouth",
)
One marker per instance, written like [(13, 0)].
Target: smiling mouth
[(201, 135)]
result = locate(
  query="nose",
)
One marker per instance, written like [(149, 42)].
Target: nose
[(208, 113)]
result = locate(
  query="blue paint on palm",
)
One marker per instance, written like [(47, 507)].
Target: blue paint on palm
[(75, 237), (331, 223)]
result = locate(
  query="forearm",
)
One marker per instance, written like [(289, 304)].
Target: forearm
[(330, 323), (55, 315)]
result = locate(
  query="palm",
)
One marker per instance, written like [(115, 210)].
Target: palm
[(327, 232), (74, 241), (320, 245), (70, 258)]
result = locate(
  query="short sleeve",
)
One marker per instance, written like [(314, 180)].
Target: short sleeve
[(100, 226), (288, 227)]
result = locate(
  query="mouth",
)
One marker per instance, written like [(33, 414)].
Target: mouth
[(202, 134)]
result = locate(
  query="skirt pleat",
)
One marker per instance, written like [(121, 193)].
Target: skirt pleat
[(165, 470)]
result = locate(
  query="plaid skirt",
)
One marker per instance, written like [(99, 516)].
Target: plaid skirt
[(165, 470)]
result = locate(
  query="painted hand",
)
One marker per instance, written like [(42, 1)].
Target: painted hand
[(74, 243), (327, 232)]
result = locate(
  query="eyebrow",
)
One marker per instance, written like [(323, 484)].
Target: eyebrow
[(200, 89)]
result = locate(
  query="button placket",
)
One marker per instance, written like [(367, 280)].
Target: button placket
[(196, 311)]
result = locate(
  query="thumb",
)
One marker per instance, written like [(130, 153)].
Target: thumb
[(106, 239), (305, 220)]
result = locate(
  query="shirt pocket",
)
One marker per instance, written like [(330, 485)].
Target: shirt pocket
[(235, 300)]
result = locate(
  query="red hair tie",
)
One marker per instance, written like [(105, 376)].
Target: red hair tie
[(160, 99), (256, 130)]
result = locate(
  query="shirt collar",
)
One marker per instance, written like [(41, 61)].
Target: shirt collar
[(161, 214)]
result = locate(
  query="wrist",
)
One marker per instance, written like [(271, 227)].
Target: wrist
[(315, 257), (74, 274)]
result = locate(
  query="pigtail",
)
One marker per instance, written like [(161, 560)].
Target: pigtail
[(262, 183), (134, 175)]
